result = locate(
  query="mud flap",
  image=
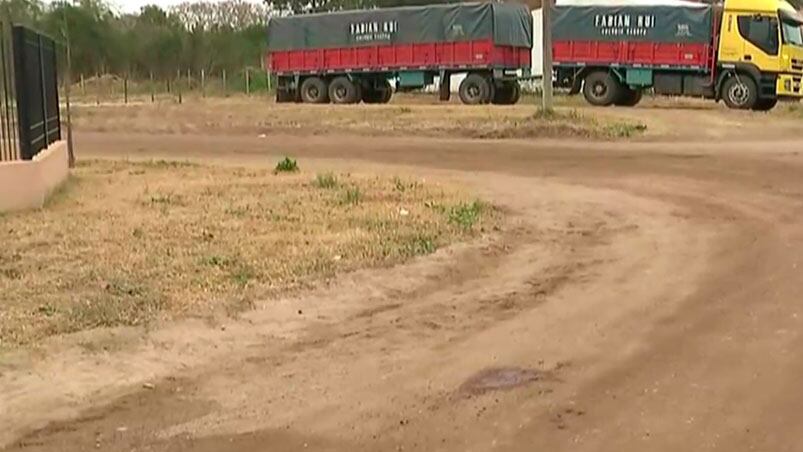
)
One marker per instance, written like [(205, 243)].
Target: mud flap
[(445, 86)]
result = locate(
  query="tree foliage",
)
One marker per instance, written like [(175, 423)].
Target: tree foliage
[(192, 36)]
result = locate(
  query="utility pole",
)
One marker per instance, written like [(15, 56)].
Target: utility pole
[(546, 93)]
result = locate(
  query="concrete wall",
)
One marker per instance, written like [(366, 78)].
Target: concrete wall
[(27, 184)]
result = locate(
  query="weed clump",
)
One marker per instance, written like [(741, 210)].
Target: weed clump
[(287, 165)]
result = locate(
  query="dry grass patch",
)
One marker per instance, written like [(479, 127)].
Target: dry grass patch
[(250, 116), (125, 243)]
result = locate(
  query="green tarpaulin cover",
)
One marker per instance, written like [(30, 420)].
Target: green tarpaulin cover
[(672, 24), (506, 24)]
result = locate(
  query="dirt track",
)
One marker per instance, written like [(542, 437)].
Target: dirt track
[(649, 296)]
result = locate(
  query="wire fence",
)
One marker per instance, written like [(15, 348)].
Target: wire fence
[(178, 87)]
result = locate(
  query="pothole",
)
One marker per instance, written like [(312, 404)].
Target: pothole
[(499, 379)]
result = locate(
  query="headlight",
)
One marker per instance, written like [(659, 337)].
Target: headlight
[(787, 85)]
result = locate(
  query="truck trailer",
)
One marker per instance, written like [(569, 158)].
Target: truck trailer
[(352, 56), (748, 53)]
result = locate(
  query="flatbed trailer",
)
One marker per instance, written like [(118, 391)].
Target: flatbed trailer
[(352, 56)]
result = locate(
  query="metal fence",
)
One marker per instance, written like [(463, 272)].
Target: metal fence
[(37, 91), (9, 139)]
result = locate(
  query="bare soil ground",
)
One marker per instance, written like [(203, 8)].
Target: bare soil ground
[(638, 296)]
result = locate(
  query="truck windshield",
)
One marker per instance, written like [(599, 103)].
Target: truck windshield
[(792, 33)]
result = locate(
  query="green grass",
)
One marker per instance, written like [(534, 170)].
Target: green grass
[(325, 181), (352, 195), (287, 165), (466, 215)]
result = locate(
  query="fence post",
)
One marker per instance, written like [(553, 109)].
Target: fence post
[(178, 84), (267, 81), (153, 95), (189, 80), (203, 83), (97, 88), (225, 88), (125, 89), (248, 81), (83, 85)]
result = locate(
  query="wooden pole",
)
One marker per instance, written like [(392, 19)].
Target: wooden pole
[(178, 84), (125, 89), (248, 81), (153, 94), (83, 85), (225, 87), (203, 83), (546, 94)]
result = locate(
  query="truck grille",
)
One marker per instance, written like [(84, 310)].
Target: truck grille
[(797, 65)]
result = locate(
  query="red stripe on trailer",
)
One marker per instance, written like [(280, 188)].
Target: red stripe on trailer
[(632, 53), (381, 58)]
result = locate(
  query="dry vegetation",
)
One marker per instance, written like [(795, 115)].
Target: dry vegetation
[(125, 243), (408, 115)]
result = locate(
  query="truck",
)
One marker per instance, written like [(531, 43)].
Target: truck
[(347, 57), (747, 53)]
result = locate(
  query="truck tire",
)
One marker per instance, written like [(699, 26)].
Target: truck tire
[(515, 95), (379, 93), (765, 104), (601, 89), (740, 92), (314, 91), (475, 89), (507, 94), (629, 97), (344, 91)]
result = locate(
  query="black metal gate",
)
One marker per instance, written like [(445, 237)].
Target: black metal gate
[(9, 140), (36, 91)]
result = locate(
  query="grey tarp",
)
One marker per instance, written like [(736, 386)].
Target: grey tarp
[(506, 24), (672, 24)]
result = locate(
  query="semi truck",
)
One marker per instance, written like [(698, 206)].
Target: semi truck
[(747, 53), (357, 56)]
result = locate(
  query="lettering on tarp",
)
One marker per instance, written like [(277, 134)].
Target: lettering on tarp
[(373, 31), (624, 24)]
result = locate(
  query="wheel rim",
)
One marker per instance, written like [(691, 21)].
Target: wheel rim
[(739, 93), (474, 91), (312, 92), (599, 90), (340, 92)]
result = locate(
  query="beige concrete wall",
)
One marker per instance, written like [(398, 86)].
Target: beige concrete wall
[(27, 184)]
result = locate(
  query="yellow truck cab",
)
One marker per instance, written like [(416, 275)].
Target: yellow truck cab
[(760, 53)]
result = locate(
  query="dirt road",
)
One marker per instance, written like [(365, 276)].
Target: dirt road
[(641, 296)]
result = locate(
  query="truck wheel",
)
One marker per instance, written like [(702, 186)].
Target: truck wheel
[(314, 91), (475, 90), (387, 92), (765, 104), (740, 92), (629, 97), (344, 91), (601, 89), (501, 94), (515, 93)]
